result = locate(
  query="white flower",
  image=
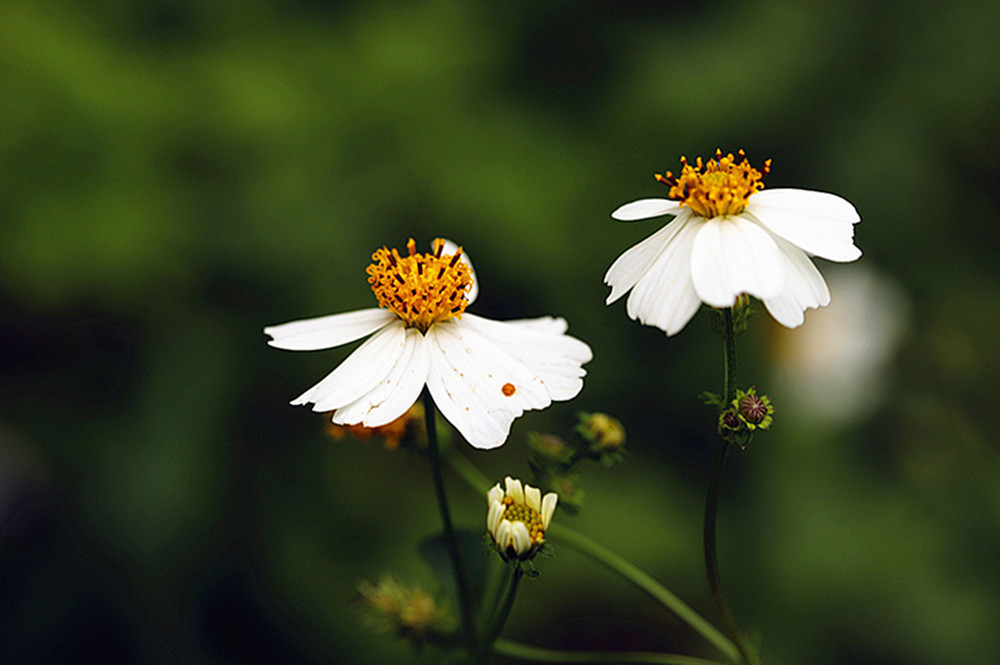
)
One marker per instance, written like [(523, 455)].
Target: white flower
[(728, 238), (482, 374), (518, 518)]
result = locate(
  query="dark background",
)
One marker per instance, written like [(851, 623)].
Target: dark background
[(176, 175)]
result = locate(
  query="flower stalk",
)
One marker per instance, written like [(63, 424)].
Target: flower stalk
[(538, 655), (645, 582), (712, 500), (649, 585), (451, 541), (504, 607)]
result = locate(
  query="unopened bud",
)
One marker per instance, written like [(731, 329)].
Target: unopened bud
[(604, 431), (754, 410)]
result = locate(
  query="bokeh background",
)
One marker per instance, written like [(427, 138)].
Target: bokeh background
[(175, 175)]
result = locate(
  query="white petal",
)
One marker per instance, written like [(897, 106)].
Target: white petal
[(369, 364), (820, 223), (541, 363), (494, 515), (636, 261), (646, 208), (520, 538), (450, 248), (502, 536), (495, 494), (514, 489), (533, 497), (548, 508), (665, 297), (546, 324), (453, 381), (733, 255), (805, 288), (326, 332), (397, 392), (505, 380)]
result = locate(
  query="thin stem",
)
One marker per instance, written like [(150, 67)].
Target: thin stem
[(712, 501), (646, 583), (497, 584), (711, 559), (503, 610), (475, 479), (451, 541), (539, 655), (729, 359)]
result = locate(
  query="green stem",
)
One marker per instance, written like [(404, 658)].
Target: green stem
[(712, 501), (729, 359), (451, 541), (646, 583), (496, 586), (711, 558), (479, 483), (539, 655), (503, 610)]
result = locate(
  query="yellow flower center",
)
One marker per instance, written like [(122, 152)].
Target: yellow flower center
[(717, 188), (519, 512), (421, 289)]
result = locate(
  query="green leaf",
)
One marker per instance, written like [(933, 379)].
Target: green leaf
[(434, 550)]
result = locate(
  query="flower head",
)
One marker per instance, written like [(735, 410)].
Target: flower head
[(482, 374), (518, 517), (730, 236), (421, 289)]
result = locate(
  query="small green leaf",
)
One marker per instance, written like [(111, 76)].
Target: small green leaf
[(710, 399)]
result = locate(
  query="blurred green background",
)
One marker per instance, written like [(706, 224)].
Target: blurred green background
[(178, 174)]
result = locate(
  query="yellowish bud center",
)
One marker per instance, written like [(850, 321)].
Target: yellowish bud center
[(717, 188), (519, 512), (421, 289)]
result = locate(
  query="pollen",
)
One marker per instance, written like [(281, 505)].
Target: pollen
[(421, 289), (508, 389), (519, 512), (718, 187)]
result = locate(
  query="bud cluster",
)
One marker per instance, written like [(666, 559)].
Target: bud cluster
[(744, 415), (599, 438)]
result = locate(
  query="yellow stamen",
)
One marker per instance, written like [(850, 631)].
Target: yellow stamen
[(717, 188), (519, 512), (421, 289)]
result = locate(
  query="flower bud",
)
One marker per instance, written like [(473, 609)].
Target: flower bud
[(602, 430), (518, 517), (754, 410), (407, 610)]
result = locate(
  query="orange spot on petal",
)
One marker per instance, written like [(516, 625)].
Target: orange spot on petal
[(508, 389)]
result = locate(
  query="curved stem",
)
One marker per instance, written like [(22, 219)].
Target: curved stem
[(539, 655), (475, 479), (451, 541), (648, 584)]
